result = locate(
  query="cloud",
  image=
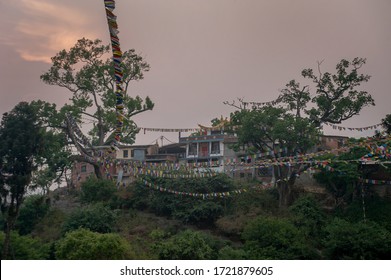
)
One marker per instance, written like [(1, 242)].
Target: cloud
[(41, 28)]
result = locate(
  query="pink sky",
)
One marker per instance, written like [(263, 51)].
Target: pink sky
[(201, 52)]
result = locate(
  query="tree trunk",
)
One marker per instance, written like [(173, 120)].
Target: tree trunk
[(98, 171), (284, 182), (9, 225)]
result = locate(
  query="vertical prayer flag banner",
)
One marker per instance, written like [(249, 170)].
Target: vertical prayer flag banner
[(118, 72)]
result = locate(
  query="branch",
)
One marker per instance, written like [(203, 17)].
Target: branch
[(92, 116), (138, 112), (235, 106), (79, 147)]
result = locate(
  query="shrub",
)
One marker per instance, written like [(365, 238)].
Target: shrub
[(97, 190), (83, 244), (229, 253), (188, 209), (274, 238), (25, 247), (308, 216), (98, 218), (362, 240), (33, 209), (187, 245)]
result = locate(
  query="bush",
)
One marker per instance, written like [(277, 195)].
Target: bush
[(376, 209), (275, 238), (25, 247), (229, 253), (188, 209), (98, 218), (187, 245), (97, 190), (33, 209), (308, 216), (83, 244), (362, 240)]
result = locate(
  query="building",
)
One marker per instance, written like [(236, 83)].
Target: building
[(117, 168)]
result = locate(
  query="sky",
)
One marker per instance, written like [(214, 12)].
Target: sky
[(201, 52)]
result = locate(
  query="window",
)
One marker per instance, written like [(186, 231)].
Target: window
[(125, 153), (132, 153), (83, 168), (192, 149), (215, 147)]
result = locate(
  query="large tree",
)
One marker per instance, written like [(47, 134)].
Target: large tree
[(32, 155), (293, 120), (270, 129), (21, 140), (87, 71)]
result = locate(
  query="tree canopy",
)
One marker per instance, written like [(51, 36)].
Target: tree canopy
[(88, 73), (21, 144)]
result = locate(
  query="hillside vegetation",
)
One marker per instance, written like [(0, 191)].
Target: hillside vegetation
[(101, 221)]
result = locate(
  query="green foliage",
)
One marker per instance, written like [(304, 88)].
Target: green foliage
[(265, 200), (97, 190), (49, 228), (83, 244), (336, 97), (308, 216), (21, 139), (264, 127), (21, 150), (97, 218), (25, 247), (362, 240), (341, 181), (273, 238), (56, 156), (376, 209), (90, 79), (34, 208), (386, 123), (188, 209), (229, 253), (295, 97), (187, 245)]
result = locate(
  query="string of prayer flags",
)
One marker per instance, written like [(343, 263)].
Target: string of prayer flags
[(262, 186), (336, 127), (376, 182), (118, 72), (145, 129)]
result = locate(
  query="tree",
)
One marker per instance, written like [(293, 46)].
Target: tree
[(291, 125), (33, 209), (21, 143), (386, 123), (89, 76), (269, 129), (90, 80), (274, 129), (56, 157), (337, 98)]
